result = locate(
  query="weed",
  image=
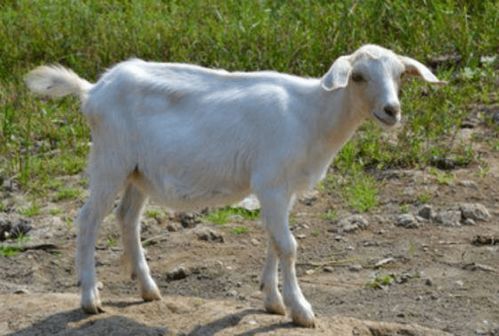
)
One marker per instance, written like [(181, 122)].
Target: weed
[(330, 215), (222, 216), (404, 208), (30, 211), (240, 230), (9, 251), (111, 241), (424, 197), (361, 193), (55, 211), (154, 214), (443, 178), (381, 281), (66, 193)]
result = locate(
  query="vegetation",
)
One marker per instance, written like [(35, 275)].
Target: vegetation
[(41, 140)]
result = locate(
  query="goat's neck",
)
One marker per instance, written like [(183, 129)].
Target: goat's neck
[(339, 119)]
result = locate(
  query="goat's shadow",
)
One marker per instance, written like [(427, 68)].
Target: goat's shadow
[(61, 324)]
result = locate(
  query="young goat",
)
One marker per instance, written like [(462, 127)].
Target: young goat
[(193, 137)]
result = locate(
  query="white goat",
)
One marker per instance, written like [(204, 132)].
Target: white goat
[(192, 137)]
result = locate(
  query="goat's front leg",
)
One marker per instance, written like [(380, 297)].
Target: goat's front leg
[(272, 298), (275, 208)]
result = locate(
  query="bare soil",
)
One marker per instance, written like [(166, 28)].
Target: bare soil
[(444, 279)]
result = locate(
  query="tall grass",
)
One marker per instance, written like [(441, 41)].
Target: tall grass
[(41, 139)]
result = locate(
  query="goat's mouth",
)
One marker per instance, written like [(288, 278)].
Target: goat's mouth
[(385, 120)]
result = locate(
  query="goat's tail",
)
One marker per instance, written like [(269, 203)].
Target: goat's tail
[(56, 81)]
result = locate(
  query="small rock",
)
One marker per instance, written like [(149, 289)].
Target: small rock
[(426, 211), (173, 227), (207, 234), (407, 221), (22, 291), (428, 282), (449, 218), (178, 273), (383, 262), (355, 268), (474, 211), (353, 223), (232, 293), (460, 283), (469, 221), (328, 269), (188, 220), (255, 241), (249, 203), (310, 197), (310, 271), (468, 184), (301, 236)]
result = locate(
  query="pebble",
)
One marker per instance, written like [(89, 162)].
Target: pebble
[(301, 236), (468, 184), (207, 234), (407, 221), (469, 221), (328, 269), (355, 268), (474, 211), (428, 282), (426, 211), (178, 273), (173, 227), (449, 218), (383, 262), (353, 223), (255, 241)]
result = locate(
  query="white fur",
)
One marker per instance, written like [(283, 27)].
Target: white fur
[(192, 137)]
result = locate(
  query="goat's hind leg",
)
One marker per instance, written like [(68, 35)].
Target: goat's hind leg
[(102, 193), (128, 215)]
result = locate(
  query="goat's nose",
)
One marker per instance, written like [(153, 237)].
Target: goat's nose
[(392, 110)]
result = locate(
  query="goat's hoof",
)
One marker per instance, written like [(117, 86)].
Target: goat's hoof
[(275, 306), (303, 317), (90, 302), (151, 294), (92, 307)]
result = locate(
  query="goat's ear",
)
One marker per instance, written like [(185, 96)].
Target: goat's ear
[(415, 68), (338, 75)]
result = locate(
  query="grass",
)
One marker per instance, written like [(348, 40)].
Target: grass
[(238, 230), (67, 193), (42, 140), (31, 211), (224, 215), (381, 281)]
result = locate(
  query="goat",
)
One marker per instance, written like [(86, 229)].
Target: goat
[(193, 137)]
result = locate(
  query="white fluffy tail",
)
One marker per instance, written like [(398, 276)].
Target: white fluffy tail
[(56, 81)]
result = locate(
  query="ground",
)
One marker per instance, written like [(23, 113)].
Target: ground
[(426, 274)]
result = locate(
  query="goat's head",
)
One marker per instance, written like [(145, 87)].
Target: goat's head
[(372, 76)]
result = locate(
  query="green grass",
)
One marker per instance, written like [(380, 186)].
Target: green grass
[(238, 230), (41, 140), (67, 193), (223, 216), (31, 211), (9, 251), (381, 281)]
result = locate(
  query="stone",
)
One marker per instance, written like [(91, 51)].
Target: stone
[(353, 223), (407, 221), (469, 222), (188, 220), (328, 269), (173, 227), (309, 198), (249, 203), (426, 211), (468, 184), (178, 273), (355, 268), (207, 234), (450, 218), (474, 211)]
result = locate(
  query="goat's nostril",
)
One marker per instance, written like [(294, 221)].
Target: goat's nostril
[(391, 110)]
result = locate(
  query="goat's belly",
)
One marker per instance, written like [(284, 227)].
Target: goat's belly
[(191, 195)]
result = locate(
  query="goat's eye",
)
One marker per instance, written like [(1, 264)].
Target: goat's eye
[(357, 77)]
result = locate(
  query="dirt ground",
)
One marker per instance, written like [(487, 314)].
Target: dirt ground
[(406, 278)]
